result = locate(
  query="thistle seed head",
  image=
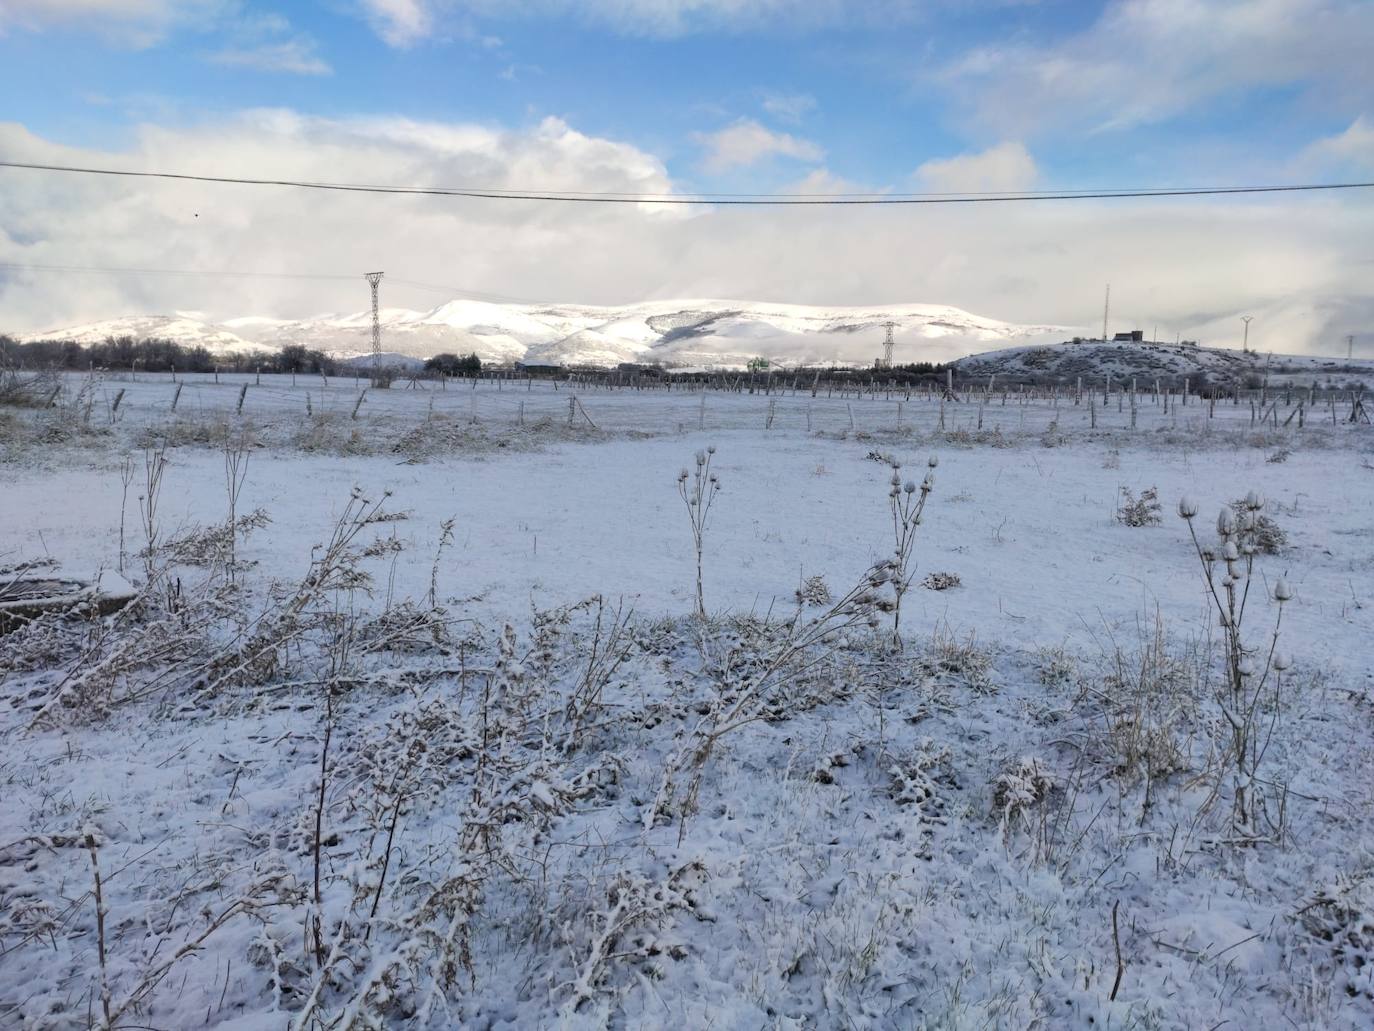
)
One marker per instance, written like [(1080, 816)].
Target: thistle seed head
[(1187, 508), (1226, 523), (1254, 501), (932, 461), (1282, 592)]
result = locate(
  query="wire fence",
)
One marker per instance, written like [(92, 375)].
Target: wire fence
[(509, 404)]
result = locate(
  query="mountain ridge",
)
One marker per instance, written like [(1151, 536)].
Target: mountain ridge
[(681, 332)]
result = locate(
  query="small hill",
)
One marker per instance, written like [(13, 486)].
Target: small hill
[(1146, 361)]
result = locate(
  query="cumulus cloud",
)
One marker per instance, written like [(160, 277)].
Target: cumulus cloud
[(1146, 61), (1190, 265), (746, 143), (1005, 168)]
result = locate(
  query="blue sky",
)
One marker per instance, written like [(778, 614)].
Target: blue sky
[(726, 96), (874, 94)]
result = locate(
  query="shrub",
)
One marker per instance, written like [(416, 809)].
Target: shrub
[(1260, 531), (813, 591), (1140, 511)]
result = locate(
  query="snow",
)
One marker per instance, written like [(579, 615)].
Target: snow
[(1091, 360), (722, 334), (850, 861), (184, 328)]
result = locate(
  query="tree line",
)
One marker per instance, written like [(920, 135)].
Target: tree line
[(160, 355)]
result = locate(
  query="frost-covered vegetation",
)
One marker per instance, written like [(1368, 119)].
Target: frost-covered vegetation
[(475, 732)]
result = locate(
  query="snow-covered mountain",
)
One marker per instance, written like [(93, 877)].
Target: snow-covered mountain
[(187, 328), (688, 332)]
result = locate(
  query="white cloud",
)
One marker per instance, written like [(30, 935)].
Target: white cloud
[(789, 107), (401, 23), (259, 40), (746, 143), (1005, 168), (131, 22), (823, 182), (1146, 61), (1192, 265), (1352, 149), (667, 18), (297, 56)]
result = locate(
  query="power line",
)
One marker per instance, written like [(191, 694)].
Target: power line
[(703, 198)]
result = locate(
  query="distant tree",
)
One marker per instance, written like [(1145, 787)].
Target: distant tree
[(453, 365), (154, 355), (293, 358)]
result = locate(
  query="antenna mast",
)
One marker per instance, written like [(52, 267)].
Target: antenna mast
[(373, 279), (1106, 308)]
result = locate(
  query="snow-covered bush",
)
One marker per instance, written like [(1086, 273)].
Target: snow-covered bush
[(1257, 529), (813, 591), (940, 581), (1140, 511), (1019, 797), (1338, 922)]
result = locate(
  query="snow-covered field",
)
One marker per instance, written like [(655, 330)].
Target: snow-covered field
[(400, 771)]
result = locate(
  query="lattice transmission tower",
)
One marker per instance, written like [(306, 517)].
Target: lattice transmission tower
[(374, 279), (885, 362)]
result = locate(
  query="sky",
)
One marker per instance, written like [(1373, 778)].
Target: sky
[(696, 96)]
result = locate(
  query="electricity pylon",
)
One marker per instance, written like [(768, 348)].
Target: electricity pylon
[(373, 279)]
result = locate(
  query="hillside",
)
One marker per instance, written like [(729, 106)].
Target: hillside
[(1093, 359), (691, 332), (183, 328)]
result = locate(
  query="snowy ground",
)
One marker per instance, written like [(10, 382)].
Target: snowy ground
[(532, 833)]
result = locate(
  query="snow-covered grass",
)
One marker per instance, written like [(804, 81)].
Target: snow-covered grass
[(451, 748)]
